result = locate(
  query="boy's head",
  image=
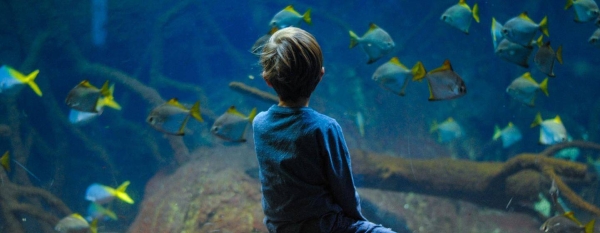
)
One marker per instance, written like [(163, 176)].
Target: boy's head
[(292, 64)]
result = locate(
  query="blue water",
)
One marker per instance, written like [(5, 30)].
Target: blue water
[(207, 45)]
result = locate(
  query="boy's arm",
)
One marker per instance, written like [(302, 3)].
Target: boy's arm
[(339, 173)]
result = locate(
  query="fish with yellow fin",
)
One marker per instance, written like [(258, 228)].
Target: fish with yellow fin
[(524, 89), (447, 130), (444, 83), (585, 10), (514, 53), (5, 161), (545, 57), (567, 223), (75, 223), (11, 81), (522, 29), (376, 42), (289, 17), (97, 211), (552, 131), (460, 16), (85, 97), (260, 43), (171, 117), (394, 76), (496, 33), (595, 38), (232, 125), (103, 194), (509, 134)]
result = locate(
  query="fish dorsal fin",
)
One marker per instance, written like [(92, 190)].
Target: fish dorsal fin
[(397, 62), (372, 27), (537, 120), (445, 66), (105, 90), (527, 76), (86, 83), (571, 216), (77, 216), (174, 102), (525, 17), (450, 119), (5, 161), (540, 41), (510, 124), (234, 111), (289, 8), (557, 119), (463, 4)]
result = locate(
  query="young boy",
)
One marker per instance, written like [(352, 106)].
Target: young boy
[(304, 163)]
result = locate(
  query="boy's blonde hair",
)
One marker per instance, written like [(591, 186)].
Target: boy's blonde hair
[(292, 62)]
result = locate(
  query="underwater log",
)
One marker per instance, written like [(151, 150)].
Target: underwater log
[(263, 95), (493, 184)]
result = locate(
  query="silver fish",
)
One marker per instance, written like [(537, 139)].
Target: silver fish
[(595, 38), (545, 57), (444, 83), (12, 81), (514, 53), (171, 117), (447, 130), (524, 89), (509, 134), (232, 125), (289, 17), (585, 10), (552, 131), (394, 76), (460, 16), (522, 29), (566, 223), (260, 43), (72, 223), (376, 42)]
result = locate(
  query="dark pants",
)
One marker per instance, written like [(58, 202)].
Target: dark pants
[(329, 223)]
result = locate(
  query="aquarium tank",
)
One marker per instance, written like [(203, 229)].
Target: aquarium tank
[(462, 116)]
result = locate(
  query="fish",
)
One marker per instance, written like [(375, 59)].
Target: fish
[(376, 42), (524, 89), (5, 161), (394, 76), (585, 10), (496, 33), (444, 83), (289, 17), (552, 131), (595, 38), (85, 97), (102, 194), (509, 134), (75, 223), (97, 211), (360, 122), (171, 117), (232, 125), (459, 16), (11, 80), (522, 29), (80, 118), (260, 43), (545, 57), (566, 223), (514, 53), (447, 130)]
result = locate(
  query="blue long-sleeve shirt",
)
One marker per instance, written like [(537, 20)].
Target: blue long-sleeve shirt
[(304, 163)]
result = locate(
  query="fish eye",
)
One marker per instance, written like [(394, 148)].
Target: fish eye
[(593, 40), (151, 119), (504, 31)]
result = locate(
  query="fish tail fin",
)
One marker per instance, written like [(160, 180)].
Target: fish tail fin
[(354, 39), (544, 26), (29, 79), (418, 71), (434, 126), (195, 112), (559, 54), (108, 99), (306, 17), (537, 121), (94, 226), (544, 86), (589, 227), (497, 133), (252, 115), (476, 12), (568, 4), (111, 214), (5, 161), (121, 194)]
